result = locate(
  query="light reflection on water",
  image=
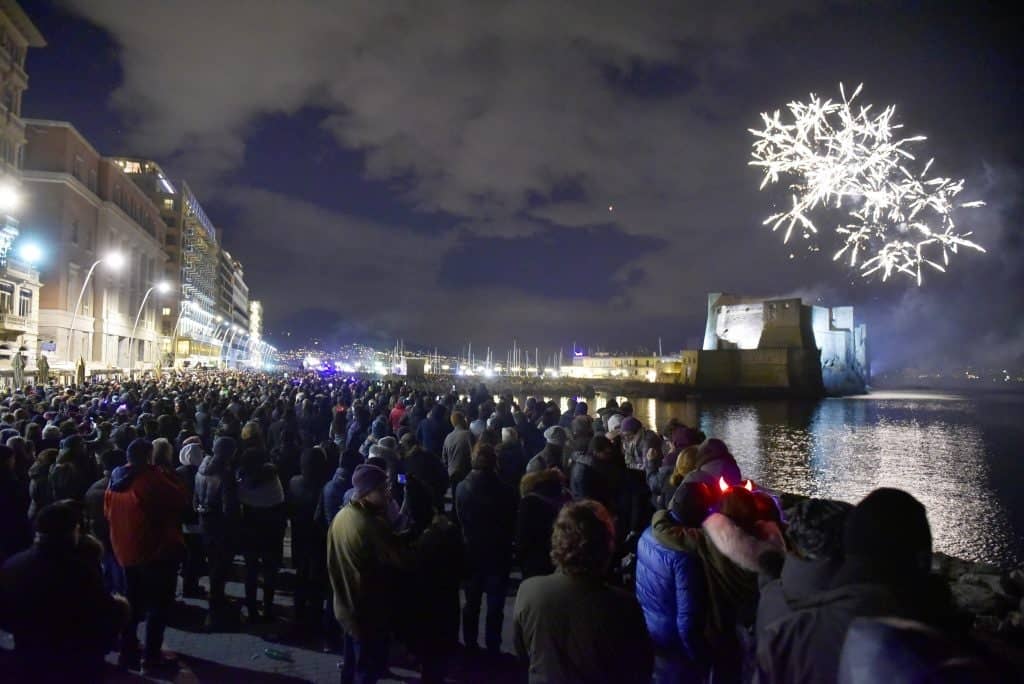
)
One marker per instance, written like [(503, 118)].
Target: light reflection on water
[(956, 454)]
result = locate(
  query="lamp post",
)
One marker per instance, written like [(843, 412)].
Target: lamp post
[(115, 260), (227, 354), (161, 287)]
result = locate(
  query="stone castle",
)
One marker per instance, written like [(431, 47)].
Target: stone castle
[(782, 346)]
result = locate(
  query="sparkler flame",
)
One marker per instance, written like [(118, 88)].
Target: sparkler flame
[(841, 157)]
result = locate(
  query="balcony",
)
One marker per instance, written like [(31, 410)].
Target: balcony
[(18, 270), (14, 322)]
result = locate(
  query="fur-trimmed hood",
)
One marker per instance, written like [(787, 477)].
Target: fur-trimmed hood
[(739, 546)]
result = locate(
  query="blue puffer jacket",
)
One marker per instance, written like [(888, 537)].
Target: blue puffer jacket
[(670, 589)]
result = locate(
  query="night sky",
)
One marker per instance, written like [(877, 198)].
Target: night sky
[(544, 170)]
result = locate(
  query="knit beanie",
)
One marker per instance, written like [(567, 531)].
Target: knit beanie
[(368, 478), (889, 526), (631, 425), (140, 451), (556, 435), (191, 454), (816, 527)]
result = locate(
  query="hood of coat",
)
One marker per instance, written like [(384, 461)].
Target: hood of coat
[(122, 476), (737, 545)]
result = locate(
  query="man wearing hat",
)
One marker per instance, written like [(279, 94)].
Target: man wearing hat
[(887, 550), (551, 455), (364, 561)]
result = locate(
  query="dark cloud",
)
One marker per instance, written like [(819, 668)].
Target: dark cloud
[(497, 146)]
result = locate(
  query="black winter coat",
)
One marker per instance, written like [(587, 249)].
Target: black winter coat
[(487, 511)]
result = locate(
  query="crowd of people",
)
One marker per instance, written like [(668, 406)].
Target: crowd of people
[(641, 553)]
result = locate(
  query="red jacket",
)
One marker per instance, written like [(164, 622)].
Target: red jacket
[(144, 506), (396, 416)]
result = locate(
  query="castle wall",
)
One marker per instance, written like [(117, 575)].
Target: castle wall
[(753, 343)]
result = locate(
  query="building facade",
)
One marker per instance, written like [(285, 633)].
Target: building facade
[(782, 344), (19, 280), (105, 249), (192, 333), (233, 307)]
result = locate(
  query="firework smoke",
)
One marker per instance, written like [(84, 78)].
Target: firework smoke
[(836, 156)]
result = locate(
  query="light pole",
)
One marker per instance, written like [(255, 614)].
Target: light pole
[(227, 354), (220, 339), (161, 287), (115, 260)]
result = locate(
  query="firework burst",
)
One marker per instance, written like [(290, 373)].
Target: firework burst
[(836, 156)]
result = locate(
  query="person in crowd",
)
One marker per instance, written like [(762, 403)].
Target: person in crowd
[(457, 451), (551, 456), (714, 462), (730, 545), (511, 458), (215, 500), (190, 457), (15, 530), (365, 561), (815, 554), (671, 590), (144, 506), (571, 626), (664, 488), (596, 474), (429, 470), (52, 600), (261, 530), (637, 442), (96, 521), (542, 496), (429, 617), (332, 497), (432, 432), (308, 536), (486, 509), (887, 548)]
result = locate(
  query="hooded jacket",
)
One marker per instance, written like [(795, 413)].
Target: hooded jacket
[(144, 507), (670, 589), (486, 507), (364, 561), (806, 645), (432, 432), (542, 499), (729, 558), (715, 462)]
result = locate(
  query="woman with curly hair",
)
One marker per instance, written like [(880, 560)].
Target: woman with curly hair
[(573, 626)]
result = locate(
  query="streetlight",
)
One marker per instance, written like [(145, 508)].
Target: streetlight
[(10, 198), (31, 253), (162, 287), (115, 260)]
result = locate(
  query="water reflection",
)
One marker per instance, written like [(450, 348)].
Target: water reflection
[(939, 447)]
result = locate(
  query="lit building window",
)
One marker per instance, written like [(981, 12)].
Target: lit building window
[(132, 167), (166, 311)]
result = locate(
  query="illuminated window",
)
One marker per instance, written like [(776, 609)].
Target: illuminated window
[(132, 167), (166, 311), (168, 203), (25, 303)]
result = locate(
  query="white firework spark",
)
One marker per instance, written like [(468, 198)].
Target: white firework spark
[(845, 158)]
